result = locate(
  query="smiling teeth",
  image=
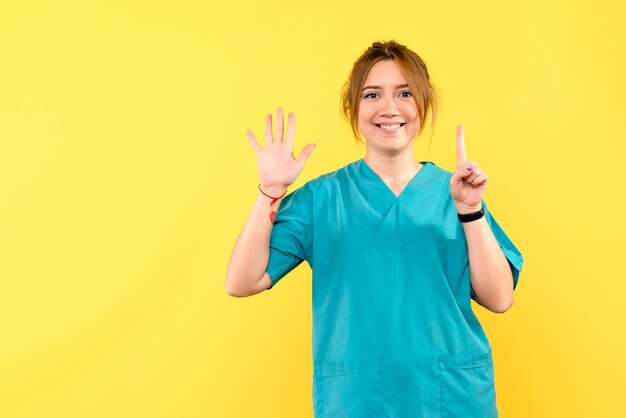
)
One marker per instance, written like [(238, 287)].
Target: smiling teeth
[(389, 127)]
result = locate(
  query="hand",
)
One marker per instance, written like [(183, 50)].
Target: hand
[(468, 182), (278, 168)]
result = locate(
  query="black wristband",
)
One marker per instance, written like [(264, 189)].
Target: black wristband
[(469, 217)]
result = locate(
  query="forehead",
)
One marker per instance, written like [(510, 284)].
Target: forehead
[(387, 72)]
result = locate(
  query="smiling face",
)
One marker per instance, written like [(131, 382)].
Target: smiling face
[(387, 112)]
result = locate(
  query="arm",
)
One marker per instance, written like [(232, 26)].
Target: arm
[(246, 275), (490, 274), (278, 169)]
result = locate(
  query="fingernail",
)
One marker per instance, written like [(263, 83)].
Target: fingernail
[(470, 169)]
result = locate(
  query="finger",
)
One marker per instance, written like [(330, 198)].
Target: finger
[(473, 174), (279, 125), (461, 173), (470, 180), (268, 129), (291, 128), (460, 147), (304, 154), (479, 180), (467, 169), (253, 143)]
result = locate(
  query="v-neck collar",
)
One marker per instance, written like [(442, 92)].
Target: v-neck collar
[(383, 187)]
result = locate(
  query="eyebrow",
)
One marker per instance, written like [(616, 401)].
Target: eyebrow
[(399, 86)]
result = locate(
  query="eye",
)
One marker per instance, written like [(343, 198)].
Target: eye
[(368, 95), (406, 93)]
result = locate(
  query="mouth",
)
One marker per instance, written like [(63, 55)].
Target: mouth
[(390, 127)]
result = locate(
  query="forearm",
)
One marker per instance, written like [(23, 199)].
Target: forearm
[(490, 273), (250, 255)]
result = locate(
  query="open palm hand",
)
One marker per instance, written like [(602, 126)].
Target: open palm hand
[(278, 168)]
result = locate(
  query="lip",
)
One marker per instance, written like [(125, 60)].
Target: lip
[(391, 123), (390, 131)]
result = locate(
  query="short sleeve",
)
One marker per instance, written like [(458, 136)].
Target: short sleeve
[(512, 254), (291, 237)]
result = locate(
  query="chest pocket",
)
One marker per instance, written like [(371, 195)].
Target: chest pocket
[(351, 388), (466, 386)]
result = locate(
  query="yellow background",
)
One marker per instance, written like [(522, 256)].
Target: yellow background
[(126, 176)]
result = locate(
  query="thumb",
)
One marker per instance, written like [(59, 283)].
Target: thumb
[(459, 175), (306, 151)]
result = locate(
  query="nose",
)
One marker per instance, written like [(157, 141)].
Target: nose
[(389, 107)]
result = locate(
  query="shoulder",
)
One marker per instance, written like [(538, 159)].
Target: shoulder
[(322, 185), (441, 177), (332, 179), (350, 172), (438, 172), (434, 177)]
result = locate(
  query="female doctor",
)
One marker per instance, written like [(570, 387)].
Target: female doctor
[(398, 249)]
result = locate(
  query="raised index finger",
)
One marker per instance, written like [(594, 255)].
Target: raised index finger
[(460, 147)]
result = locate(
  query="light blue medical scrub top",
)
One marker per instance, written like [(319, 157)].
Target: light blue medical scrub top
[(394, 334)]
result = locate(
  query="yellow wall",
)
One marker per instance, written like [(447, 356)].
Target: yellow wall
[(126, 176)]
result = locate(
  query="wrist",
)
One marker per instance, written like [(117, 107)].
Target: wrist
[(471, 216), (464, 209), (273, 191)]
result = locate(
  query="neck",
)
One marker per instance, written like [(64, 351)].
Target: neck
[(393, 168)]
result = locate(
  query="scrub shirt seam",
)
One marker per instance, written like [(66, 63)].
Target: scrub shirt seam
[(441, 202), (352, 186), (309, 250)]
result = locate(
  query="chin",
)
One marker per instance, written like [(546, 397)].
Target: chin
[(387, 145)]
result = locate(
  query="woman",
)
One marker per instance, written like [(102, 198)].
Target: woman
[(397, 249)]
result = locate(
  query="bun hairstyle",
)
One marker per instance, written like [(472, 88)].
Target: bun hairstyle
[(414, 70)]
